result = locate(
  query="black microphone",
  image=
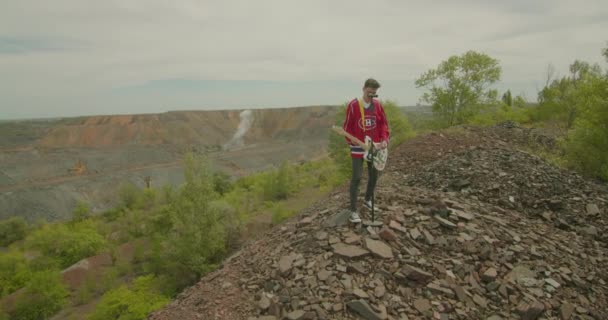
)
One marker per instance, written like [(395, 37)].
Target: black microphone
[(372, 95)]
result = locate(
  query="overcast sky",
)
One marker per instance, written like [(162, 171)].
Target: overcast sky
[(67, 58)]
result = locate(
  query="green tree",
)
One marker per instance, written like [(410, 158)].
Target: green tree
[(507, 98), (579, 69), (11, 230), (587, 142), (520, 102), (559, 100), (196, 238), (460, 86)]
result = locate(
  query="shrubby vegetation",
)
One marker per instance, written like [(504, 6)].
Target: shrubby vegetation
[(68, 243), (587, 142), (14, 272), (11, 230), (459, 91), (133, 303), (186, 232), (44, 295)]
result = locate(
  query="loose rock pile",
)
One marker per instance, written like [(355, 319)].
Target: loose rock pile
[(522, 182), (448, 244)]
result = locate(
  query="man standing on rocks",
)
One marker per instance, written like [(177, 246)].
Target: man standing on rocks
[(365, 117)]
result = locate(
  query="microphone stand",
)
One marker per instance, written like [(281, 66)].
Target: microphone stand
[(372, 149)]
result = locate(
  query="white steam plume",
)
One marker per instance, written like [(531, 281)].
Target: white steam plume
[(244, 125)]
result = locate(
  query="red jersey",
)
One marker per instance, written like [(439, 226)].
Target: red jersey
[(374, 124)]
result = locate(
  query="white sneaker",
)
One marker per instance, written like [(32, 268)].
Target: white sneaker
[(368, 205), (354, 217)]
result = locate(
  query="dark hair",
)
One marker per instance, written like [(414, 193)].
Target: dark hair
[(371, 83)]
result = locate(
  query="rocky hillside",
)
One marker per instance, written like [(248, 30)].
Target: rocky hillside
[(470, 228), (186, 128), (46, 167)]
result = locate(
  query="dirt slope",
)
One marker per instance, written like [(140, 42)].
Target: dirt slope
[(186, 128), (46, 167), (459, 240)]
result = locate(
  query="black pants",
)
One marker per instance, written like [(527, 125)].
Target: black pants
[(356, 180)]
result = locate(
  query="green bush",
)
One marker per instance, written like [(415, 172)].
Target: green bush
[(67, 243), (195, 241), (560, 100), (159, 220), (135, 222), (14, 272), (502, 113), (43, 262), (587, 142), (109, 280), (191, 234), (129, 195), (338, 148), (147, 199), (279, 184), (86, 291), (243, 201), (280, 214), (587, 149), (232, 222), (399, 126), (11, 230), (221, 182), (81, 212), (130, 303), (580, 103), (44, 296), (112, 214)]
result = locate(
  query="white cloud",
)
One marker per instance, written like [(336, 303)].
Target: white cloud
[(102, 45)]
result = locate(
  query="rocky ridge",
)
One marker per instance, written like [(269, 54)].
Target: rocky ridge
[(519, 181), (439, 249)]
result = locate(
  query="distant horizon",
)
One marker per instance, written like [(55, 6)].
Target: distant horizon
[(180, 110), (137, 57), (163, 96)]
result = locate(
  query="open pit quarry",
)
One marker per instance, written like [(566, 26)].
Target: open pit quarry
[(48, 166)]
